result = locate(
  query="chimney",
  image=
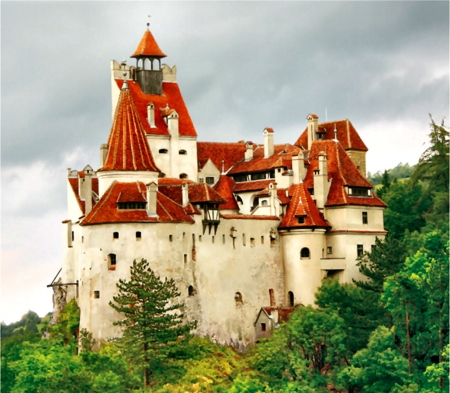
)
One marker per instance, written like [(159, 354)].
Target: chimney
[(298, 167), (321, 184), (248, 151), (151, 114), (268, 142), (87, 189), (313, 126), (184, 194), (152, 190), (103, 153), (172, 123), (273, 195)]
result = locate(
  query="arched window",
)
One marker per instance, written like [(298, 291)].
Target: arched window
[(182, 152), (183, 176), (112, 262), (304, 253), (291, 298), (163, 151), (238, 298), (191, 290)]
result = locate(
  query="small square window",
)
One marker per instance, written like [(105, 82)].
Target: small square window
[(138, 235), (263, 327), (329, 250), (209, 180), (365, 219), (115, 235), (301, 219), (96, 294)]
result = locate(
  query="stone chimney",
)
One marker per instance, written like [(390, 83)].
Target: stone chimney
[(152, 190), (172, 123), (103, 153), (87, 189), (184, 194), (321, 184), (268, 142), (298, 168), (248, 151), (151, 114), (273, 195), (313, 126)]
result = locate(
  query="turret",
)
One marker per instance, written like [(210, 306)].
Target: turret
[(313, 126)]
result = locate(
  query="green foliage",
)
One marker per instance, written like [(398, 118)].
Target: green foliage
[(379, 368), (27, 324), (360, 310), (401, 171), (66, 328), (152, 321)]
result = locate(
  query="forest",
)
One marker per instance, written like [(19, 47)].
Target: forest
[(387, 334)]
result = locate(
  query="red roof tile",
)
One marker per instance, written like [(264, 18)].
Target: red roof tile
[(204, 193), (73, 181), (229, 153), (148, 47), (343, 172), (347, 135), (106, 211), (282, 157), (255, 185), (128, 149), (225, 187), (283, 196), (302, 205), (171, 97)]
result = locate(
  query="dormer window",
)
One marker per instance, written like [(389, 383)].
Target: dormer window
[(131, 205), (359, 192), (182, 152), (301, 219), (209, 180)]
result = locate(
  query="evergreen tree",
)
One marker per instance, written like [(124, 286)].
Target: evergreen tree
[(152, 320)]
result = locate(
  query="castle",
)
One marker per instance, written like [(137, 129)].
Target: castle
[(248, 231)]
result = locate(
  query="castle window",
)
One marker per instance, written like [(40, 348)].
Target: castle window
[(96, 294), (272, 297), (223, 239), (238, 298), (199, 238), (115, 235), (264, 203), (213, 239), (291, 298), (170, 238), (73, 235), (301, 219), (163, 151), (359, 250), (258, 176), (209, 180), (273, 241), (243, 239), (185, 258), (239, 178), (262, 239), (201, 180), (138, 235), (112, 262), (304, 253), (182, 152), (191, 291), (358, 191), (263, 327), (252, 242), (365, 219), (329, 250), (131, 205), (272, 174), (183, 176)]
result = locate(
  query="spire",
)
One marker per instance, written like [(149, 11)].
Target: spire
[(128, 149), (148, 47)]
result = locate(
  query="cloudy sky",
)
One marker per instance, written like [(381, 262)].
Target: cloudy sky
[(242, 66)]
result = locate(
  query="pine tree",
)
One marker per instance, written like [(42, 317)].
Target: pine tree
[(152, 320)]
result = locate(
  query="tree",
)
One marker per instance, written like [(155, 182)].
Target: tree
[(152, 320)]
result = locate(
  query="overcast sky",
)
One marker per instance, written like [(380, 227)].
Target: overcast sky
[(242, 66)]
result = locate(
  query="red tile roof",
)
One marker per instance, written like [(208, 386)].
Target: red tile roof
[(347, 135), (203, 193), (171, 97), (283, 196), (255, 185), (282, 157), (301, 204), (343, 172), (73, 181), (106, 211), (230, 153), (128, 149), (148, 47), (225, 187)]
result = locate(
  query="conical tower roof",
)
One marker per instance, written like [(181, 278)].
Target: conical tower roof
[(128, 149), (148, 47)]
